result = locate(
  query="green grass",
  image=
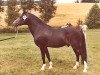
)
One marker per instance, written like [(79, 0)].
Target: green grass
[(20, 56)]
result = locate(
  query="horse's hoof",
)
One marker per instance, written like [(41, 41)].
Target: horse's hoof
[(75, 67), (43, 67), (85, 71), (50, 67)]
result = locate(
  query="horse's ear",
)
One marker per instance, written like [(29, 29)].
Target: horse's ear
[(26, 11)]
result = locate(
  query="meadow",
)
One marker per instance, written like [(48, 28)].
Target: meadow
[(20, 56)]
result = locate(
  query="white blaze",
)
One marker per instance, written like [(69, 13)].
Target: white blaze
[(24, 17)]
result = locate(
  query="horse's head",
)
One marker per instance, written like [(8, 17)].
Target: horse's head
[(22, 19)]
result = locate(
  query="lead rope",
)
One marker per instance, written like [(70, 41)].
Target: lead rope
[(16, 29)]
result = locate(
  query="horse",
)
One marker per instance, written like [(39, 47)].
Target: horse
[(46, 36)]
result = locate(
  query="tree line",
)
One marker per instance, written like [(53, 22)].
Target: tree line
[(88, 1), (46, 8), (93, 17)]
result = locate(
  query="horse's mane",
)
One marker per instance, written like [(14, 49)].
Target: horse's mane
[(38, 19)]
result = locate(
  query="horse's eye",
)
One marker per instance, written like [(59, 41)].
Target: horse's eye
[(24, 17)]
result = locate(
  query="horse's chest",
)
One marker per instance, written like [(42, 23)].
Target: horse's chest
[(40, 40)]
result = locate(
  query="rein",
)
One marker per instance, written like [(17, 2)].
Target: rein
[(16, 29)]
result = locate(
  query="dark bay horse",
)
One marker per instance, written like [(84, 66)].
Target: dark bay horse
[(47, 36)]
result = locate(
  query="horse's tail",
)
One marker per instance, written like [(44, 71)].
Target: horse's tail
[(83, 47)]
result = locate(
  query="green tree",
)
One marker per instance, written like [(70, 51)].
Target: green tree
[(1, 8), (88, 1), (77, 1), (12, 12), (47, 9), (93, 18), (27, 4)]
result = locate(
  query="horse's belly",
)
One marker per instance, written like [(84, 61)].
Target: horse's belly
[(56, 44)]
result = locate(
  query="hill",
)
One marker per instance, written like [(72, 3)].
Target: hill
[(69, 12)]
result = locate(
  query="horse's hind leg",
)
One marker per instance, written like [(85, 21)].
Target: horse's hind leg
[(77, 59), (48, 56), (84, 61), (76, 47), (79, 51)]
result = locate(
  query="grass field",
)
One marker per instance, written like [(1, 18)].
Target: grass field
[(20, 56)]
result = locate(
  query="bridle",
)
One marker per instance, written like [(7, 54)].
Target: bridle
[(16, 29)]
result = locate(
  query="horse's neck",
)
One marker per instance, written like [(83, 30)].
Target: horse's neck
[(32, 29), (35, 26)]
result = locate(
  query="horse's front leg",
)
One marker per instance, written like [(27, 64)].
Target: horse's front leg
[(48, 56), (43, 58), (85, 67)]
